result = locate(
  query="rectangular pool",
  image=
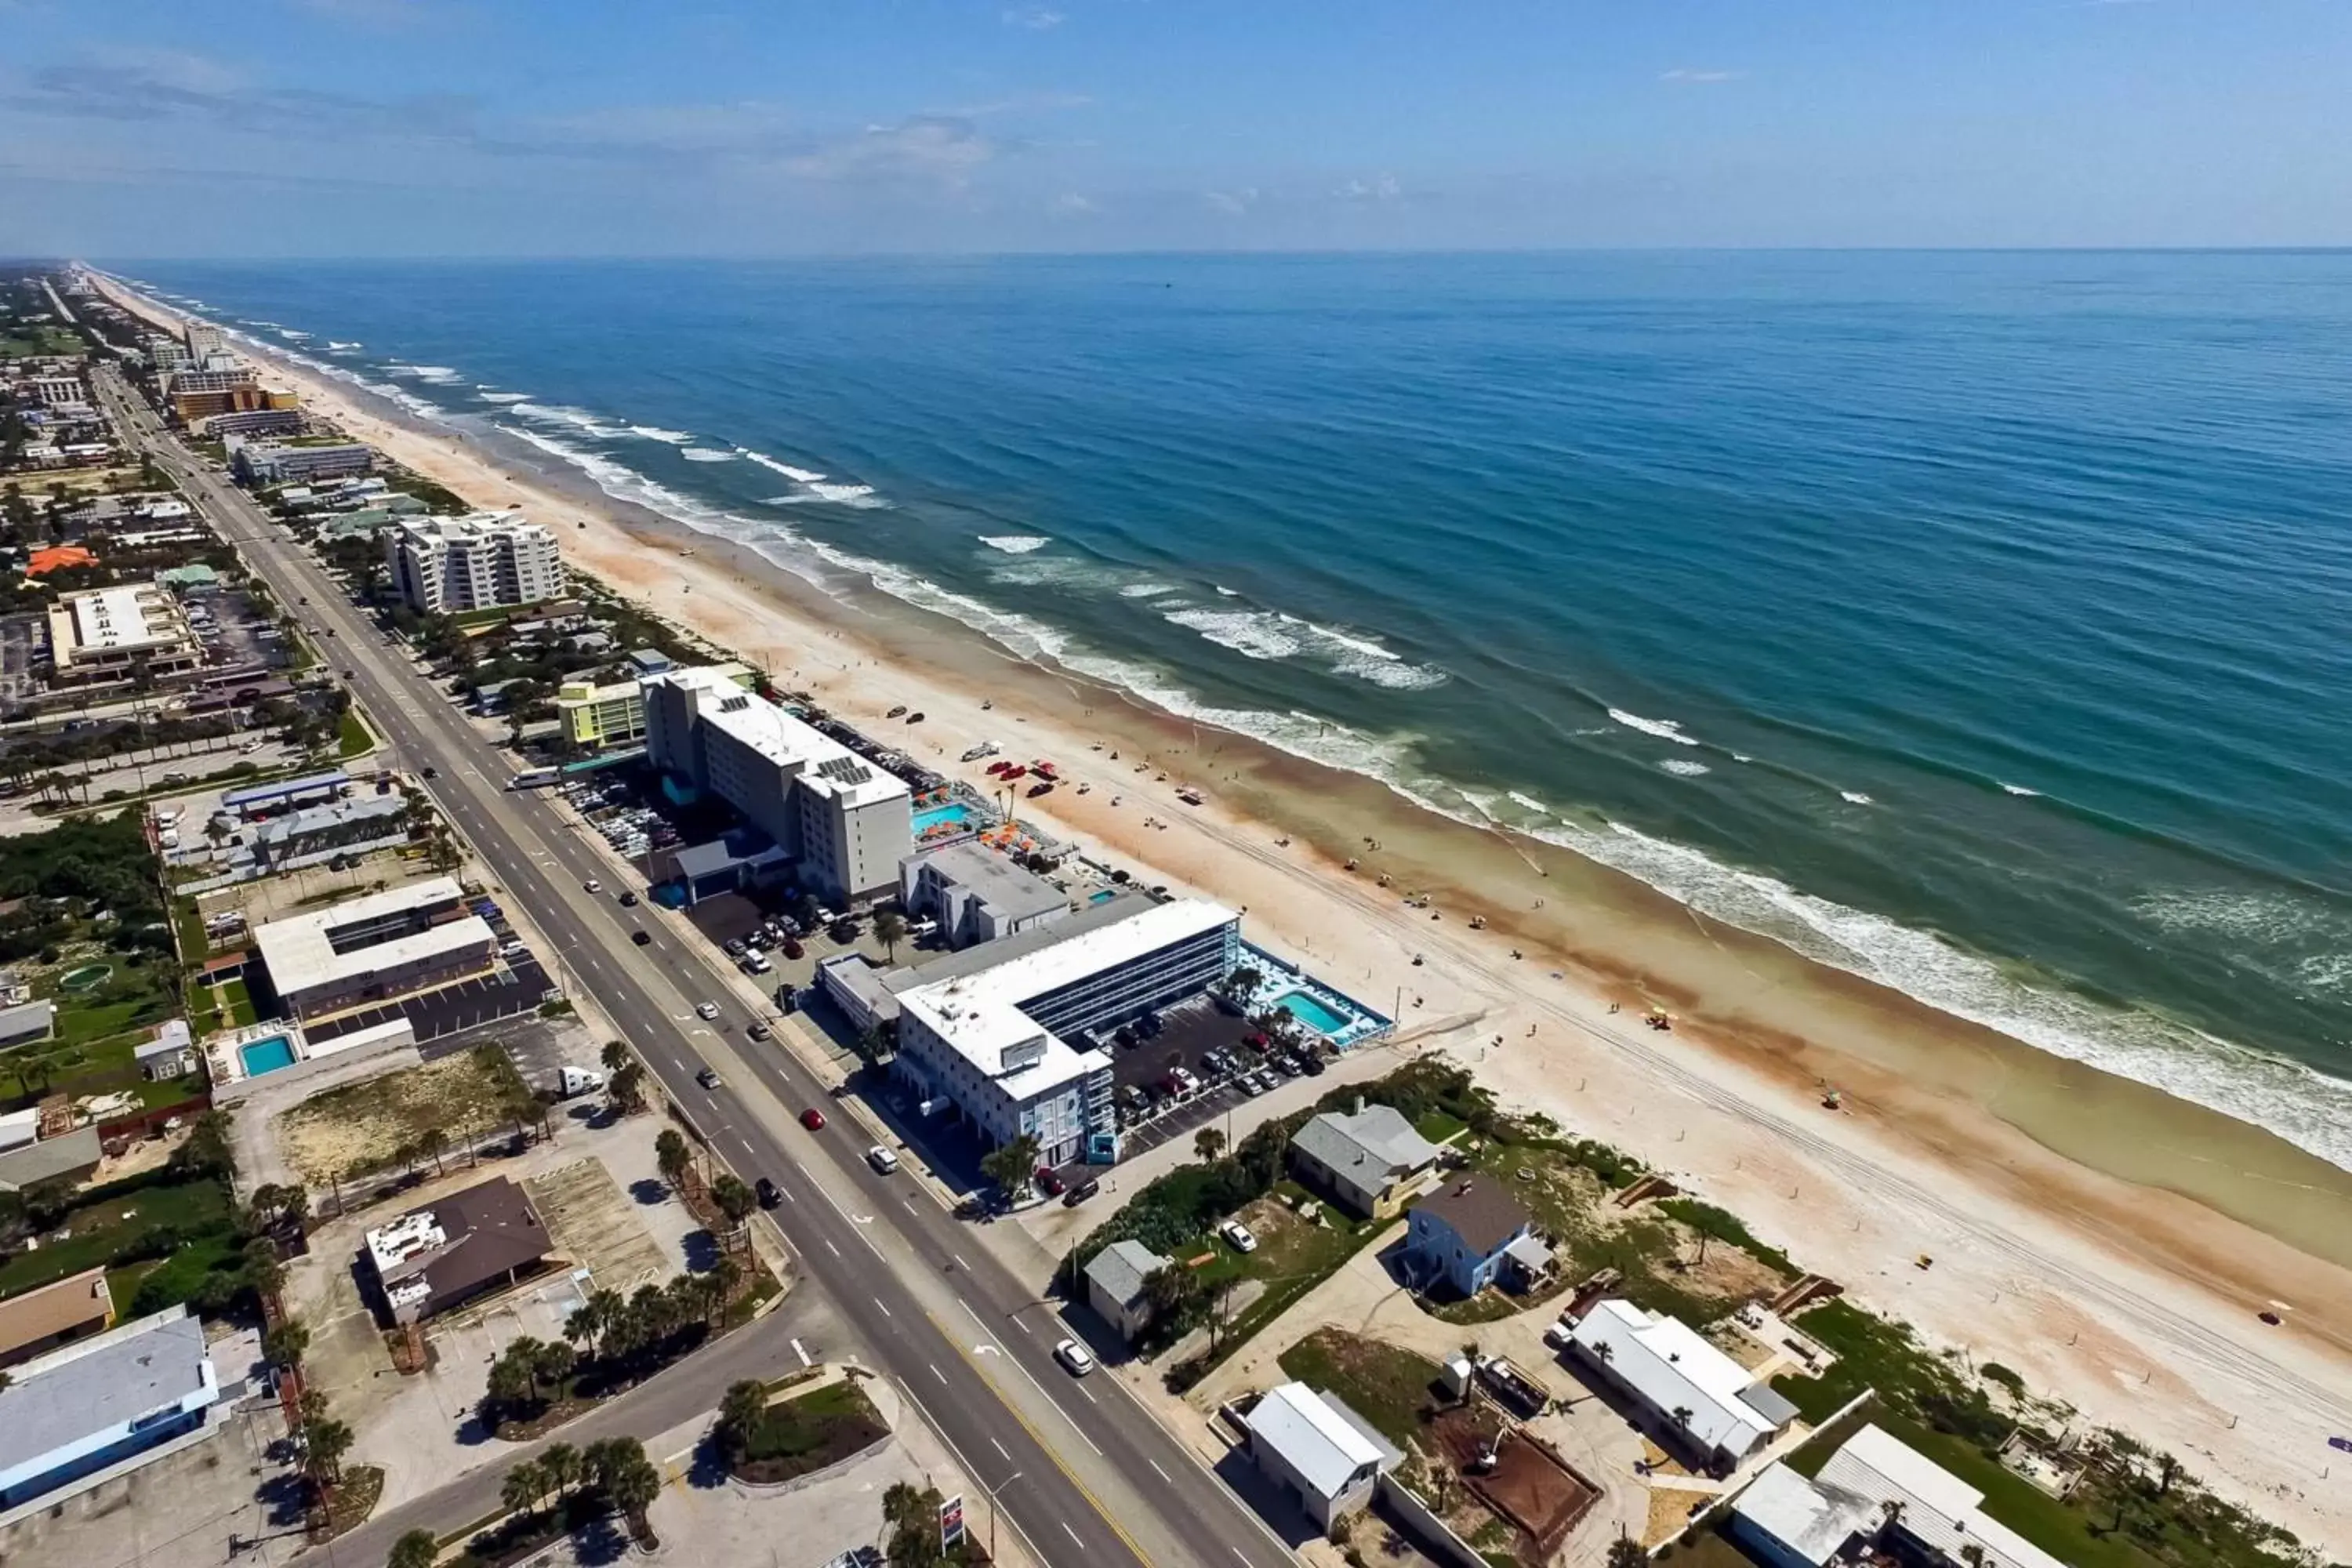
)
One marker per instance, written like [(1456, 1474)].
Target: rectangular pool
[(266, 1056), (1310, 1011), (955, 813)]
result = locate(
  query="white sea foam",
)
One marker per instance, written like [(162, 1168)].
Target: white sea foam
[(577, 418), (293, 335), (656, 433), (1664, 728), (1015, 543), (2019, 789), (341, 348), (1856, 797), (803, 475), (1253, 634), (847, 495), (706, 455), (1682, 767), (1531, 803), (1146, 590), (503, 396)]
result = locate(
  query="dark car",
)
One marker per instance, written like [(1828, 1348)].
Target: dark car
[(707, 1077), (641, 938), (768, 1196), (433, 773), (1080, 1192), (628, 900), (1050, 1181)]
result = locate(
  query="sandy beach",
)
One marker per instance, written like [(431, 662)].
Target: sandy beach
[(2110, 1243)]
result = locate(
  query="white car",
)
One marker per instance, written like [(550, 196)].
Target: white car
[(881, 1159), (1237, 1236), (593, 887), (1076, 1359), (706, 1010)]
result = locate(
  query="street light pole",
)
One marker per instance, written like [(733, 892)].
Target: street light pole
[(992, 1493)]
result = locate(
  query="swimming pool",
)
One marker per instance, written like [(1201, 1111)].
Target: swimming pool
[(1103, 897), (1310, 1010), (955, 813), (266, 1056)]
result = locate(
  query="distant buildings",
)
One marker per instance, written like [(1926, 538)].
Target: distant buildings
[(1317, 1450), (977, 894), (172, 1053), (97, 1403), (204, 339), (447, 565), (59, 391), (985, 1028), (1879, 1492), (272, 462), (844, 822), (1692, 1393), (115, 634), (374, 948), (1115, 1285), (273, 421), (357, 825), (1369, 1159), (1471, 1234), (431, 1259)]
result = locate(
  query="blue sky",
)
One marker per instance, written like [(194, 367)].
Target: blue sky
[(186, 128)]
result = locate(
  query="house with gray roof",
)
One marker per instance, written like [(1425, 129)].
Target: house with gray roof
[(1369, 1159), (26, 1023), (1115, 1281), (101, 1402), (67, 1156)]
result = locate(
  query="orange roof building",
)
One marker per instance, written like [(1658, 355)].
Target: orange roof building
[(54, 557)]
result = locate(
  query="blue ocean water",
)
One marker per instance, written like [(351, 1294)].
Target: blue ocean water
[(1977, 622)]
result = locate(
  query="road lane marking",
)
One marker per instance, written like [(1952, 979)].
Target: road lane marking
[(1000, 1449), (800, 1350), (1089, 1392), (1072, 1534), (1152, 1462), (830, 1247), (935, 1371), (879, 1307), (959, 1262)]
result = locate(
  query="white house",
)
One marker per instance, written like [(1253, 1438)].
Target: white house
[(1319, 1450), (1872, 1489), (1115, 1282), (1691, 1390)]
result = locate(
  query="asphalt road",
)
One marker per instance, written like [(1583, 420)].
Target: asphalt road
[(1082, 1471)]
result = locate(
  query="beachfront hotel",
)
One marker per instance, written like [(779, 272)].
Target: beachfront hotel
[(990, 1029), (844, 822), (600, 718), (485, 560)]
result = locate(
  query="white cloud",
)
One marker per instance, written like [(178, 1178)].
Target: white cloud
[(1234, 204), (1034, 19), (1699, 78), (1383, 188), (1071, 202), (927, 147)]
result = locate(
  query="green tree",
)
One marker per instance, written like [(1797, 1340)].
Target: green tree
[(1626, 1552), (325, 1441), (522, 1489), (672, 1156), (913, 1515), (1207, 1144), (740, 1415), (417, 1549), (286, 1344), (617, 1056), (263, 1271), (561, 1467), (431, 1143), (1175, 1296), (625, 1090), (1011, 1166), (627, 1478), (889, 930), (735, 1200)]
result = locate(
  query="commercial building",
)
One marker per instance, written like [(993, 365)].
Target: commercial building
[(1691, 1392), (447, 565), (1875, 1496), (357, 825), (976, 894), (259, 802), (478, 1240), (204, 339), (844, 822), (1369, 1159), (165, 353), (1471, 1234), (374, 948), (603, 718), (1115, 1285), (111, 633), (1317, 1450), (59, 391), (95, 1403), (271, 421), (274, 462), (40, 1320), (988, 1028)]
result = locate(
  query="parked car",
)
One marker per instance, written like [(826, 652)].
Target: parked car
[(1238, 1236), (1076, 1359), (768, 1196), (812, 1119), (1049, 1181)]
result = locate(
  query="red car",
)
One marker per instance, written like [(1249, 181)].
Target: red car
[(812, 1119), (1050, 1181)]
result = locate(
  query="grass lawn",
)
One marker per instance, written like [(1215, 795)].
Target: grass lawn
[(352, 736), (105, 1227), (1387, 1386), (805, 1434), (1438, 1126), (1293, 1257)]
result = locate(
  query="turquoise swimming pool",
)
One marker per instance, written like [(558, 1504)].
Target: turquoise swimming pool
[(1103, 897), (954, 813), (266, 1056), (1310, 1010)]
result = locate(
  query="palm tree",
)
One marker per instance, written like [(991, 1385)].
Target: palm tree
[(1626, 1552), (627, 1478), (673, 1157), (740, 1415), (551, 1361), (734, 1199), (264, 1272), (726, 1276), (1011, 1166), (417, 1549), (430, 1143), (561, 1468), (1207, 1144), (285, 1344), (325, 1441), (520, 1491), (889, 930), (617, 1056)]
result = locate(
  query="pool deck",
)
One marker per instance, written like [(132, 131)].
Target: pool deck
[(1281, 979)]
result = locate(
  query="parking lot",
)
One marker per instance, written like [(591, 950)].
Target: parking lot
[(1212, 1046)]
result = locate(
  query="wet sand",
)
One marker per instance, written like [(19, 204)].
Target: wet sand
[(2111, 1242)]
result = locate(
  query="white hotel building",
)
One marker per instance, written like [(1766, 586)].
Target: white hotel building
[(990, 1034), (447, 565), (846, 823)]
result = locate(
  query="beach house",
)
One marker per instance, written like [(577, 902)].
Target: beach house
[(1879, 1493), (1688, 1392), (1470, 1234), (1368, 1160), (1317, 1450), (1115, 1285)]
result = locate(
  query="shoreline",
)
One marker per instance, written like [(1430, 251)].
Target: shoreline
[(2105, 1239)]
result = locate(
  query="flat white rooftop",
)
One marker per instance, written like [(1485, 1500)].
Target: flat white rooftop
[(128, 615), (301, 953), (817, 761), (978, 1015)]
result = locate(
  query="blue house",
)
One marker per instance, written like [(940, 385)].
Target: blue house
[(101, 1401), (1471, 1234)]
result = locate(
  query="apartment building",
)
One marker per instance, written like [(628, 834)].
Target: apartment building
[(447, 565), (374, 948), (601, 718), (274, 463), (846, 823)]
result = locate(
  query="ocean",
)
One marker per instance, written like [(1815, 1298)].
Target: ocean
[(1975, 622)]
